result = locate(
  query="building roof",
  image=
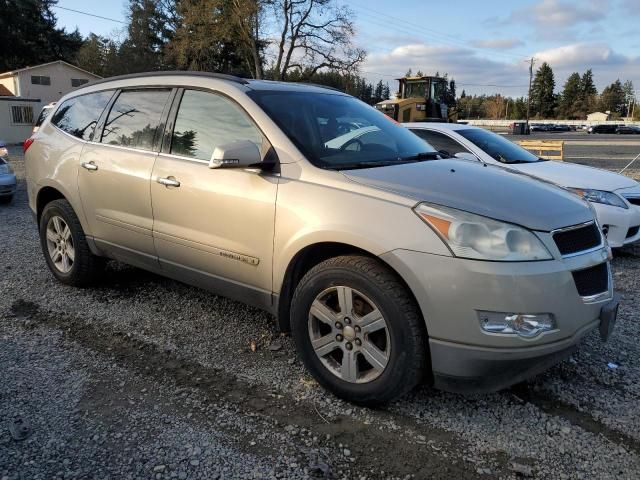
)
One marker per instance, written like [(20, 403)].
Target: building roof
[(61, 62), (5, 92)]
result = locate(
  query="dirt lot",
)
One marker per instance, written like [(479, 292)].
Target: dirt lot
[(144, 377)]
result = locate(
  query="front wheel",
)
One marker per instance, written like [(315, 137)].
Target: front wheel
[(358, 330)]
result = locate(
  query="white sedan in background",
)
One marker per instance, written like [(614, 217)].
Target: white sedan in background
[(616, 198)]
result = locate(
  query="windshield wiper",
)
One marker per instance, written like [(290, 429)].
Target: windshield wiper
[(421, 156)]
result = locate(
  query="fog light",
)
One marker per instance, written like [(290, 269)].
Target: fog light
[(523, 325)]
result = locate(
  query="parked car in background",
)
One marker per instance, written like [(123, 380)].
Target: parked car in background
[(8, 182), (44, 113), (389, 264), (604, 128), (628, 130), (615, 198), (561, 128)]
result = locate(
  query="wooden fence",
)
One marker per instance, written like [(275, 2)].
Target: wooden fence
[(549, 149)]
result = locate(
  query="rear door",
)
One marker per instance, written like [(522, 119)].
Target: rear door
[(116, 172), (213, 227)]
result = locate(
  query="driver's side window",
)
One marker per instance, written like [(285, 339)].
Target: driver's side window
[(440, 141)]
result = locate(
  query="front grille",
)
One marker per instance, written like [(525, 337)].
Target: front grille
[(592, 281), (633, 231), (578, 239), (633, 200), (5, 189)]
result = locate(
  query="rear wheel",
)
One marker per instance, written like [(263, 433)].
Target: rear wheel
[(65, 246), (358, 330)]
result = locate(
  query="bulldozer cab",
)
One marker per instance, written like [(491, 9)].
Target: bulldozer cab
[(420, 99)]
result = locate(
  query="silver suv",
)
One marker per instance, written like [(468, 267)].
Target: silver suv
[(389, 264)]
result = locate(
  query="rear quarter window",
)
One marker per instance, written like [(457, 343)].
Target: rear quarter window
[(78, 116)]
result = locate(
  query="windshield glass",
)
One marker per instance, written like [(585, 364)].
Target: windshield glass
[(341, 132), (498, 147)]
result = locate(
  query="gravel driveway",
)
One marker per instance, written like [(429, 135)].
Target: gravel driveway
[(145, 377)]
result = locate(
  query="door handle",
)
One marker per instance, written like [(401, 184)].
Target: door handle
[(89, 166), (168, 182)]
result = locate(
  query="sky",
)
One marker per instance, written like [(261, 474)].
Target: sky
[(484, 44)]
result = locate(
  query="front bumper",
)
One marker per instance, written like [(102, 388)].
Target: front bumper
[(8, 184), (617, 223), (450, 292)]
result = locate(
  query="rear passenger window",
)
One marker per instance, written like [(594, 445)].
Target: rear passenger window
[(78, 116), (205, 121), (135, 118)]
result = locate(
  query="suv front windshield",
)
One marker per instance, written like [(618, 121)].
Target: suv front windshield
[(498, 147), (340, 132)]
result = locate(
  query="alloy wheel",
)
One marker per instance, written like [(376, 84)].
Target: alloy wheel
[(349, 334), (60, 244)]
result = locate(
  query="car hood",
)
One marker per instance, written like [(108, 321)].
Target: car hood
[(484, 190), (576, 176)]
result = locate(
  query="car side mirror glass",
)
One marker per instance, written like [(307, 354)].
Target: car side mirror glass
[(240, 154), (466, 156)]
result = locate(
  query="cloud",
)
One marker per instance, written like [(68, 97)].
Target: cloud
[(583, 55), (466, 65), (630, 7), (480, 72), (498, 43), (556, 19), (554, 13)]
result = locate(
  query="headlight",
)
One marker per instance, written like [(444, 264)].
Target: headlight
[(477, 237), (599, 196)]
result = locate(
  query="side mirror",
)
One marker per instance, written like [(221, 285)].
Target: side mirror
[(241, 154), (466, 156)]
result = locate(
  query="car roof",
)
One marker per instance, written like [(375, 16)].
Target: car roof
[(438, 125), (245, 82)]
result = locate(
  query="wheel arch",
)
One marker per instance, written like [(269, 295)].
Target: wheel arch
[(310, 256)]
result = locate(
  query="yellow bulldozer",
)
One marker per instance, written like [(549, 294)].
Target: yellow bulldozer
[(419, 99)]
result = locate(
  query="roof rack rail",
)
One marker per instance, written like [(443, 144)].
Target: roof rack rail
[(178, 73), (321, 86)]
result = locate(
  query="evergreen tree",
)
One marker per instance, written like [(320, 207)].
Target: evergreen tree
[(28, 35), (92, 54), (588, 99), (570, 97), (543, 99), (142, 49), (613, 99)]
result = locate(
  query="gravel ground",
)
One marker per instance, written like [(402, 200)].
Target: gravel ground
[(144, 377)]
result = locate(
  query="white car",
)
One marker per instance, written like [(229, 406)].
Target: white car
[(616, 198)]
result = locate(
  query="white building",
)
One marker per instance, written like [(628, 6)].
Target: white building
[(48, 81), (25, 91), (598, 117)]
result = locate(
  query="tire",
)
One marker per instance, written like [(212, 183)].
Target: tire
[(6, 199), (375, 290), (84, 268)]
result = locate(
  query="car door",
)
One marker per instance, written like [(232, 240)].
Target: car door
[(116, 172), (213, 227)]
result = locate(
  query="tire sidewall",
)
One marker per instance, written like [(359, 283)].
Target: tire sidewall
[(50, 211), (401, 339)]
